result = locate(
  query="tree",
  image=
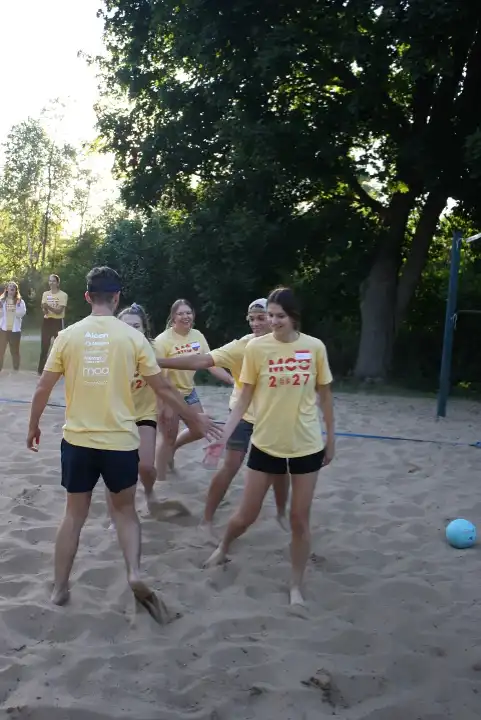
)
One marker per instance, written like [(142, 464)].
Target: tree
[(305, 101), (33, 186)]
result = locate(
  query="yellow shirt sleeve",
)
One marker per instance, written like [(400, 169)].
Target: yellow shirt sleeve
[(323, 371), (204, 345), (55, 361), (228, 356), (161, 346), (146, 360), (250, 366)]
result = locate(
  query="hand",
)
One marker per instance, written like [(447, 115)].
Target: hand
[(33, 438), (208, 428), (212, 454), (329, 452)]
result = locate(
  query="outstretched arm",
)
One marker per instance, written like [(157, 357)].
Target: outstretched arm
[(238, 411), (41, 396), (188, 362), (222, 375), (196, 422)]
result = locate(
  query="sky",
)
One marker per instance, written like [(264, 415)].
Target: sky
[(39, 42), (39, 45)]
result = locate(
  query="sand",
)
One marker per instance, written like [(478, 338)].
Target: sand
[(394, 618)]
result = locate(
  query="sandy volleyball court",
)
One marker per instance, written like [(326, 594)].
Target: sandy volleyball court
[(395, 615)]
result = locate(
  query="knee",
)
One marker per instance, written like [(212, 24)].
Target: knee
[(299, 523), (76, 518), (146, 469), (232, 464), (244, 518)]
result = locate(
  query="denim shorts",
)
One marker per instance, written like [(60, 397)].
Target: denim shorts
[(192, 398), (241, 437)]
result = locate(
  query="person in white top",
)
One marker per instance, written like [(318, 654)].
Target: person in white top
[(12, 310)]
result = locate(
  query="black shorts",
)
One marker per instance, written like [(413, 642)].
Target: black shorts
[(147, 423), (82, 467), (262, 462), (241, 437)]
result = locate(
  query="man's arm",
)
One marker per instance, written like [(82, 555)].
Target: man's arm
[(222, 375), (45, 385), (188, 362), (327, 407), (196, 422)]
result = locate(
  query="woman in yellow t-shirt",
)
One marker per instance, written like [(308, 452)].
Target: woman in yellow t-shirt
[(180, 338), (12, 310), (145, 404), (283, 374)]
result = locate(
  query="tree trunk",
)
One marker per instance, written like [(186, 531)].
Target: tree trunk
[(385, 296), (379, 295), (418, 257), (378, 303)]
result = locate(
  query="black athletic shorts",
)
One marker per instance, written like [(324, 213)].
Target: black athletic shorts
[(83, 466), (241, 437), (262, 462), (147, 423)]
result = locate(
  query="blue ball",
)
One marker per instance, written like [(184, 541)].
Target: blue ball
[(461, 534)]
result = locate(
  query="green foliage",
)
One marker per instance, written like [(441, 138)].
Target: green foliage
[(286, 114)]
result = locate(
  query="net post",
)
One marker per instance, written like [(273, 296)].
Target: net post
[(449, 324)]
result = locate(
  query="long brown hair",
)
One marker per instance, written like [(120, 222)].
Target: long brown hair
[(17, 298), (174, 309)]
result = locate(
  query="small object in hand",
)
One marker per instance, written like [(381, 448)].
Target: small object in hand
[(212, 455)]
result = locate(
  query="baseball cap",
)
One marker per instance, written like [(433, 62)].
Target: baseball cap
[(259, 304)]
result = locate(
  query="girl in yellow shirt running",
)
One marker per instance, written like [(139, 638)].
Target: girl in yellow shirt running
[(283, 374), (180, 339)]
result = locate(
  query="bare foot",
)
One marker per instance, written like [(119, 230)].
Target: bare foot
[(209, 533), (157, 507), (149, 600), (60, 595), (283, 521), (218, 557), (295, 597)]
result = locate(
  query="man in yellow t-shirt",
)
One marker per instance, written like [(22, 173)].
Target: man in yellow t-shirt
[(98, 357), (231, 356), (54, 302)]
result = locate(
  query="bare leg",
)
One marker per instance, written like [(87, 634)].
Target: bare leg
[(148, 476), (66, 544), (303, 487), (187, 436), (280, 486), (221, 482), (147, 471), (127, 524), (255, 489), (168, 429), (128, 532)]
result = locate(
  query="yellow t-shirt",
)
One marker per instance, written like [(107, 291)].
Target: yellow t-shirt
[(99, 357), (286, 376), (169, 344), (231, 356), (55, 300), (145, 400), (11, 309)]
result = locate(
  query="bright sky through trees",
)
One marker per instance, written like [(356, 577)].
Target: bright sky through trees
[(39, 42)]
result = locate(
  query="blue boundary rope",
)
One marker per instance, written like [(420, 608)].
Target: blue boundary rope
[(360, 436)]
